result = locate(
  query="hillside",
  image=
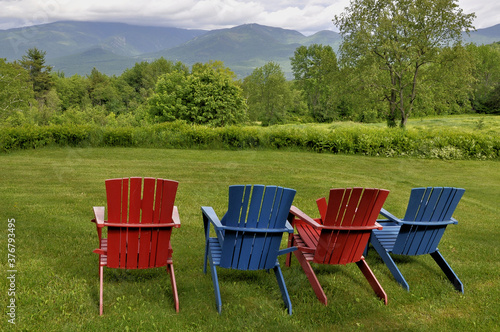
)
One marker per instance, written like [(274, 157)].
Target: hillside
[(484, 36), (246, 47), (98, 57), (77, 47), (70, 38)]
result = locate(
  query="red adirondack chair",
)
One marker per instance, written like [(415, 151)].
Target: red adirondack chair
[(139, 226), (340, 236)]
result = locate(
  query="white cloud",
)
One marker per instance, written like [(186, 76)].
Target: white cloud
[(487, 12), (306, 16)]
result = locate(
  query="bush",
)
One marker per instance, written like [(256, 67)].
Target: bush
[(69, 135), (118, 137), (387, 142)]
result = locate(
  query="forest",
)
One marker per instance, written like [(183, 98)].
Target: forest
[(210, 94), (385, 70)]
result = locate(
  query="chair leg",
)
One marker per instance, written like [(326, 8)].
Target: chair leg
[(288, 259), (291, 241), (367, 272), (205, 259), (215, 281), (365, 252), (284, 291), (101, 279), (313, 280), (448, 271), (389, 262), (170, 270)]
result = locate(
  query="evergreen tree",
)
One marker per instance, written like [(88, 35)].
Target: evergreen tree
[(39, 72)]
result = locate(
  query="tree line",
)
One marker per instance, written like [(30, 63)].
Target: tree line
[(406, 59)]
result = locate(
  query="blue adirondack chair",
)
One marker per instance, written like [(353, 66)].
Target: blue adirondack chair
[(428, 213), (249, 235)]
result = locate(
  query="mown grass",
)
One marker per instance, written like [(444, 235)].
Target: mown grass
[(50, 193)]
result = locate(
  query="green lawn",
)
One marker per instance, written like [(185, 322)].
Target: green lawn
[(50, 193), (489, 124)]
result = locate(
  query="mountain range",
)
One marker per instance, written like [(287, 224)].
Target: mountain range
[(74, 47)]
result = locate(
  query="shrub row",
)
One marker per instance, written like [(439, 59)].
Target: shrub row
[(388, 142)]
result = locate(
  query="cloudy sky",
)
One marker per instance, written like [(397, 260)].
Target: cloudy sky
[(306, 16)]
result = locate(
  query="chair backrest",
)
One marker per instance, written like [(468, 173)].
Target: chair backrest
[(350, 215), (426, 204), (255, 221), (129, 203)]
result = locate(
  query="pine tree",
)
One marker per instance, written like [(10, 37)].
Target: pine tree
[(34, 63)]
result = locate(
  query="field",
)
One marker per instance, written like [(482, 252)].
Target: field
[(466, 123), (50, 193)]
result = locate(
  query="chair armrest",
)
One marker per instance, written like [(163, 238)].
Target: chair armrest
[(133, 225), (429, 223), (353, 228), (210, 217), (99, 216), (210, 214), (286, 250), (304, 217), (389, 216), (99, 221), (256, 230), (175, 217)]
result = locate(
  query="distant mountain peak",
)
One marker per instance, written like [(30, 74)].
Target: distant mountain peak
[(78, 46)]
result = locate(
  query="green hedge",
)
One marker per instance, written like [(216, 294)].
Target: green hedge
[(387, 142)]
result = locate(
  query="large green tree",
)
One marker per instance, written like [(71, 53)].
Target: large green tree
[(487, 77), (144, 75), (268, 94), (72, 91), (399, 38), (16, 93), (208, 95), (446, 83), (316, 71)]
